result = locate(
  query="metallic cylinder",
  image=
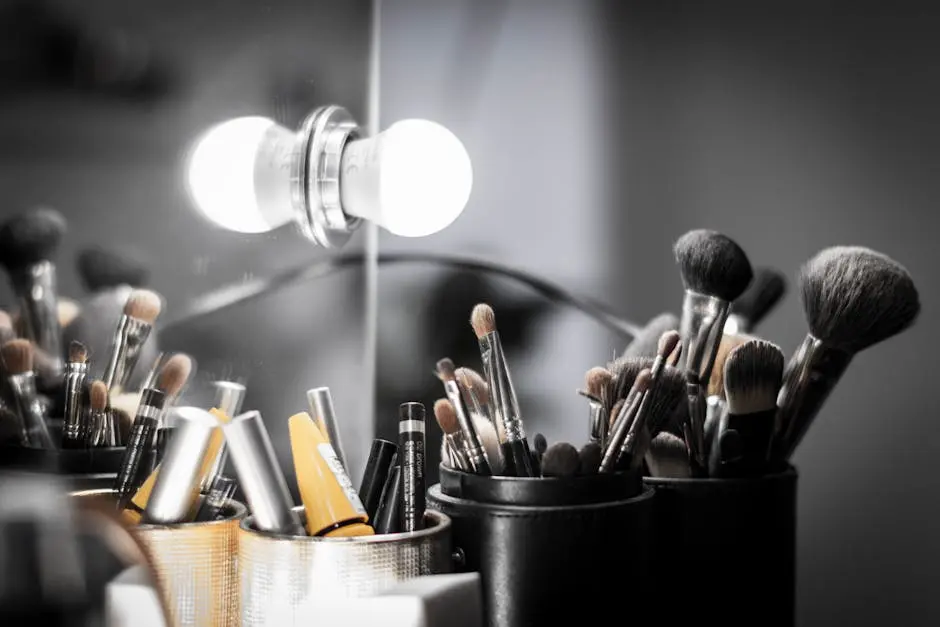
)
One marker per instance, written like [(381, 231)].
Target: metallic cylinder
[(23, 386), (321, 410), (36, 286), (129, 337), (75, 429), (177, 485), (229, 397), (260, 476)]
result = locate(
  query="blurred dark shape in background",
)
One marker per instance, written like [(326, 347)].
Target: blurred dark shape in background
[(41, 47), (444, 317)]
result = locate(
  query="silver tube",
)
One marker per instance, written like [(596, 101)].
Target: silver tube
[(229, 397), (177, 486), (23, 386), (129, 337), (701, 328), (321, 409), (35, 284), (260, 476), (75, 430)]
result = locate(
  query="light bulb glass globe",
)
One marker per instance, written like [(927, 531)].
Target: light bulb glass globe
[(229, 173), (413, 179)]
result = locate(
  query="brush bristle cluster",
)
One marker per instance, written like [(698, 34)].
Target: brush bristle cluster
[(753, 376), (762, 295), (31, 237), (174, 374), (483, 320), (143, 305), (101, 268), (98, 395), (78, 352), (713, 264), (647, 342), (17, 356)]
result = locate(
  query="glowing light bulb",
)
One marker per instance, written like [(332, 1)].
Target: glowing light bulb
[(413, 179), (239, 175)]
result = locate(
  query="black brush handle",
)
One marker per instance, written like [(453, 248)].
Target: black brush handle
[(138, 447), (518, 459)]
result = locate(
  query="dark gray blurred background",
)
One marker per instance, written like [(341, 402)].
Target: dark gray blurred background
[(599, 132)]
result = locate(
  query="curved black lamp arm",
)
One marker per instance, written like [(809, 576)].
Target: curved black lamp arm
[(232, 295)]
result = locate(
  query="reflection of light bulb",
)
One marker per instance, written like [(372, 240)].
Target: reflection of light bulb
[(239, 175), (413, 179), (251, 175)]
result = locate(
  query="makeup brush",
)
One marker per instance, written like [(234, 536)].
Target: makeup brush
[(171, 381), (18, 362), (753, 375), (658, 406), (75, 428), (473, 448), (627, 412), (451, 446), (750, 308), (646, 343), (596, 381), (590, 457), (668, 457), (103, 428), (133, 469), (470, 383), (853, 298), (28, 243), (516, 456), (716, 383), (140, 312), (476, 391), (623, 374), (561, 460), (100, 269)]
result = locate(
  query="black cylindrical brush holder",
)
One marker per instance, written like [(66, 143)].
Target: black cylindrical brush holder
[(725, 549), (550, 547)]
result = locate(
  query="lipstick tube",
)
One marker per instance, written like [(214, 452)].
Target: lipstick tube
[(260, 476), (75, 429), (129, 337), (411, 423), (36, 431), (388, 516), (139, 444), (515, 447), (382, 456)]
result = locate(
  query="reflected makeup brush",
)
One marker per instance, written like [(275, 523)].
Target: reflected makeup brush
[(473, 447), (596, 381), (75, 428), (646, 343), (104, 430), (452, 446), (754, 304), (853, 298), (18, 361), (753, 375), (505, 405), (28, 243), (140, 312)]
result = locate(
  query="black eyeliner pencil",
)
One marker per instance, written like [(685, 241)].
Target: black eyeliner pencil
[(413, 483), (133, 469)]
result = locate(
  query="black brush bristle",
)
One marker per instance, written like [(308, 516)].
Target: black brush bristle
[(100, 268), (761, 296), (855, 297), (590, 458), (668, 400), (713, 264), (560, 460), (539, 443), (624, 371), (30, 237), (647, 342)]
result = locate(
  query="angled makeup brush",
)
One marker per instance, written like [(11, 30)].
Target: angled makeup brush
[(715, 271), (75, 429), (473, 448), (596, 382), (668, 457), (561, 460), (753, 375), (28, 244), (853, 298), (505, 404), (646, 343), (750, 308), (101, 268), (104, 431), (140, 312), (18, 362), (452, 447)]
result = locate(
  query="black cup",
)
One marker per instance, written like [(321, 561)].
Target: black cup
[(725, 549), (550, 548)]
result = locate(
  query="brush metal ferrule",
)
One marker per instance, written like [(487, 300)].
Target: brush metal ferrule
[(129, 338), (457, 452), (618, 432), (701, 328), (502, 393), (473, 447), (811, 375), (35, 285), (598, 422), (75, 429), (23, 386), (103, 428)]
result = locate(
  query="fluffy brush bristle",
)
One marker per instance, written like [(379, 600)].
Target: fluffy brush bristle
[(446, 369), (78, 352), (761, 296), (590, 457), (668, 395), (668, 457), (6, 328), (100, 268), (646, 343), (560, 460), (17, 356), (728, 342), (624, 372), (712, 264), (98, 396), (596, 381), (174, 374), (471, 381), (446, 416), (483, 320), (31, 237), (753, 375), (855, 297), (143, 305), (486, 431)]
